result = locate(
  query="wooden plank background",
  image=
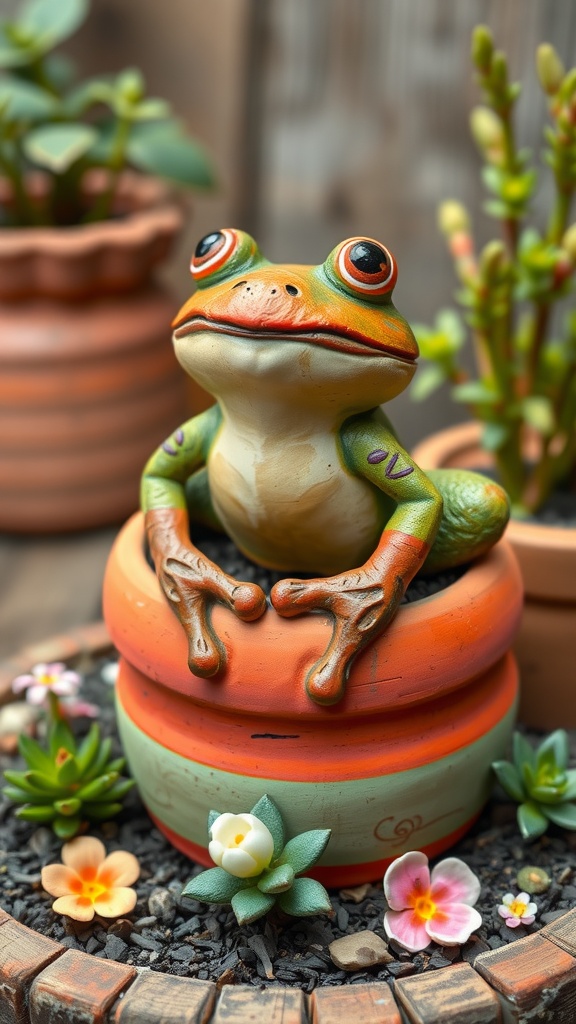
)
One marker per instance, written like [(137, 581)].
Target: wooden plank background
[(325, 118)]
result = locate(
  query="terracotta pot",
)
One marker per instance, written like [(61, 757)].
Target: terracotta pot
[(89, 384), (402, 762), (545, 645)]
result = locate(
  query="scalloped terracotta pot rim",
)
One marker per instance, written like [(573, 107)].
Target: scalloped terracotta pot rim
[(403, 758), (547, 558), (111, 255)]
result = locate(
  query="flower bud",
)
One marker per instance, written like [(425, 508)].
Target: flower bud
[(487, 130), (492, 259), (453, 217), (569, 242), (549, 68), (482, 48), (241, 844)]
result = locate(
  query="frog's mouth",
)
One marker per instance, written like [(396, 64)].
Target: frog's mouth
[(353, 344)]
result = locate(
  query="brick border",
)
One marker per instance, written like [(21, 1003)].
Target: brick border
[(42, 982)]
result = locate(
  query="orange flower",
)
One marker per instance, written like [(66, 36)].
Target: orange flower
[(90, 882)]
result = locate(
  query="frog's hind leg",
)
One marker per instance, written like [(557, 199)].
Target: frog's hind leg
[(199, 501), (475, 514)]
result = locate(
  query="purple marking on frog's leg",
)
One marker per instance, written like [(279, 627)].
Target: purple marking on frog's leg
[(179, 436), (402, 472), (378, 455), (169, 451)]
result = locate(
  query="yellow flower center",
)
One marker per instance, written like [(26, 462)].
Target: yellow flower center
[(47, 680), (88, 886), (238, 839), (425, 908), (518, 908)]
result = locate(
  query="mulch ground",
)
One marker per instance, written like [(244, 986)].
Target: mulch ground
[(183, 937)]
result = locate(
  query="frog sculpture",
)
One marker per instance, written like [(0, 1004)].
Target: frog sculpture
[(296, 461)]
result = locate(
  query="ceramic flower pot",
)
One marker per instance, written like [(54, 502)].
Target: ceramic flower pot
[(402, 762), (545, 645), (88, 381)]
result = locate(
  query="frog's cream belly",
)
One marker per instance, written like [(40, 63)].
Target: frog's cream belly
[(292, 507)]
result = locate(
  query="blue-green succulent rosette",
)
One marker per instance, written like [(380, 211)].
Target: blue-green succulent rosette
[(257, 868)]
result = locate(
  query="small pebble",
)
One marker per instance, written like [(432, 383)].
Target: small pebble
[(162, 905), (357, 894), (116, 948), (362, 949), (122, 928)]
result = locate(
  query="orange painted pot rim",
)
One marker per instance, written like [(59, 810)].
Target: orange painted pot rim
[(459, 633), (547, 553), (151, 218)]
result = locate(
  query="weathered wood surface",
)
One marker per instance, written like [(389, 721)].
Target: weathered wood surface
[(458, 995), (77, 988), (531, 978), (23, 954), (162, 999)]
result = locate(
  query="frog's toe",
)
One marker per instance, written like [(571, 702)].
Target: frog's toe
[(292, 597), (248, 601)]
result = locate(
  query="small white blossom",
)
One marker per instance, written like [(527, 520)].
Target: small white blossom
[(241, 844), (517, 910)]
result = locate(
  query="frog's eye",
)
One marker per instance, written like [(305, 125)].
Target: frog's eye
[(212, 252), (365, 266)]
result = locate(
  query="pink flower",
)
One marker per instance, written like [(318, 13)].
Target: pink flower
[(517, 910), (47, 678), (73, 708), (425, 907)]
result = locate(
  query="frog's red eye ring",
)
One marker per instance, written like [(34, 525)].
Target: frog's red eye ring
[(367, 266), (212, 252)]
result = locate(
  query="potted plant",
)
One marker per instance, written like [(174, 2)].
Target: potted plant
[(88, 378), (523, 391), (383, 729)]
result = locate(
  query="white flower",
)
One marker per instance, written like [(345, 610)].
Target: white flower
[(241, 844), (47, 678), (517, 910)]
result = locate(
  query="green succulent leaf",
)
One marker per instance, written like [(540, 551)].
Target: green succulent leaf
[(61, 737), (44, 784), (570, 791), (215, 886), (509, 778), (563, 815), (531, 821), (523, 752), (268, 813), (23, 101), (117, 765), (20, 780), (304, 850), (119, 790), (157, 148), (101, 812), (88, 749), (547, 794), (21, 796), (68, 772), (554, 750), (69, 807), (57, 146), (538, 413), (66, 828), (212, 815), (250, 904), (95, 789), (36, 813), (50, 23), (494, 436), (13, 54), (34, 755), (306, 897), (100, 763), (277, 880), (426, 381)]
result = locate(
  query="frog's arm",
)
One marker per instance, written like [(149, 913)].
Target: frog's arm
[(371, 449), (190, 581), (365, 599)]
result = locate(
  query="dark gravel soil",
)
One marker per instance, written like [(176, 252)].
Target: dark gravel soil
[(183, 937)]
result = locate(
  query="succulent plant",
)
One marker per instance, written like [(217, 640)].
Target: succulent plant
[(241, 843), (68, 783), (541, 782), (523, 390)]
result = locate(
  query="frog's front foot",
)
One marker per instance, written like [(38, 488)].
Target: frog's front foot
[(193, 586), (362, 605), (192, 583)]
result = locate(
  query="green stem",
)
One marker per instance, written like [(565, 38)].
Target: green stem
[(54, 709), (560, 214), (102, 208)]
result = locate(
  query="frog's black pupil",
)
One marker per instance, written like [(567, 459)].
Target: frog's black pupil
[(206, 243), (369, 258)]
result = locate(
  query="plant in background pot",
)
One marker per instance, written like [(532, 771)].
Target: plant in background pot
[(88, 378), (523, 394), (350, 713)]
